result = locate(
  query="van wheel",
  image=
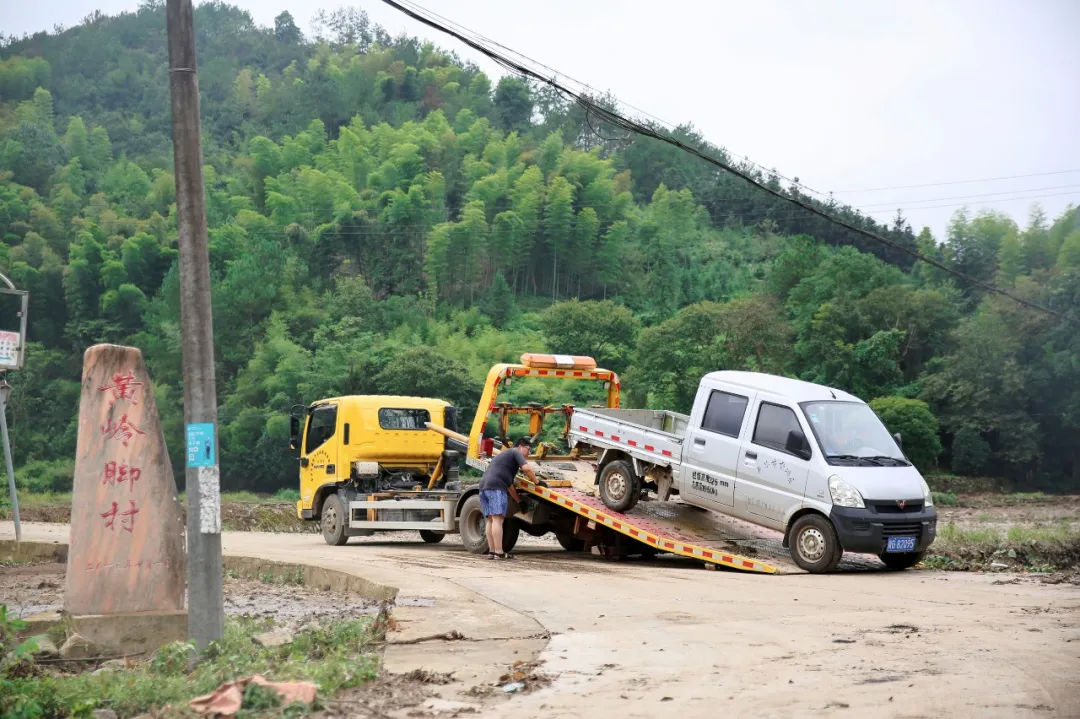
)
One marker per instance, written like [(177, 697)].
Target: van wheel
[(471, 526), (333, 520), (619, 488), (814, 545), (431, 537), (901, 561)]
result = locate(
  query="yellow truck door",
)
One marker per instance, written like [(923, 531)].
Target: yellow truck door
[(319, 453)]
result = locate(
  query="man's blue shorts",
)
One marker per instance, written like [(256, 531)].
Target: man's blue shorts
[(493, 502)]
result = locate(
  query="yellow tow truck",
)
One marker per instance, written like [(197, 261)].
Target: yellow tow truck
[(361, 474)]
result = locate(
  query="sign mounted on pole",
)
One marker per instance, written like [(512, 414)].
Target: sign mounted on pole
[(13, 304)]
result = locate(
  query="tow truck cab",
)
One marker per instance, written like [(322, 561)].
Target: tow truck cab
[(371, 443)]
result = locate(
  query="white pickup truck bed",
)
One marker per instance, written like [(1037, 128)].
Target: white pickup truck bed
[(652, 435)]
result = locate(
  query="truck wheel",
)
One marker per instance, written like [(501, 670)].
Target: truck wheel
[(901, 561), (333, 521), (619, 488), (471, 526), (431, 537), (814, 545), (569, 542), (511, 531)]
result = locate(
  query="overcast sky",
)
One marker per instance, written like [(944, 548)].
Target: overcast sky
[(846, 95)]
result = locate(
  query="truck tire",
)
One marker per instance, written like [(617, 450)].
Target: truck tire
[(333, 520), (619, 488), (511, 532), (431, 537), (471, 527), (569, 542), (901, 561), (814, 545)]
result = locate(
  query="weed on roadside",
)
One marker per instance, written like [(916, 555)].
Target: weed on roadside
[(945, 499), (1043, 547), (334, 656)]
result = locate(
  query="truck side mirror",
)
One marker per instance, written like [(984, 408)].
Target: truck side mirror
[(899, 440), (797, 444), (294, 433)]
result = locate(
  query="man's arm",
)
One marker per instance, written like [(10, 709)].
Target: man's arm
[(528, 470)]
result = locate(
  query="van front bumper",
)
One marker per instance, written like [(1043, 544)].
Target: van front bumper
[(866, 530)]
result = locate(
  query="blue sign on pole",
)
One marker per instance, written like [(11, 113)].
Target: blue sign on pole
[(201, 451)]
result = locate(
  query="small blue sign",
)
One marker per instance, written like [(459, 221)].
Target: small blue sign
[(201, 451)]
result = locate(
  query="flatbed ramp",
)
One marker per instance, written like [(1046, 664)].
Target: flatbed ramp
[(647, 526)]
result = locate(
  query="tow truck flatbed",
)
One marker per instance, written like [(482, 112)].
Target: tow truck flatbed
[(663, 526)]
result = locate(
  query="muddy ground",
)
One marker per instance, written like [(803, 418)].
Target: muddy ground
[(32, 588)]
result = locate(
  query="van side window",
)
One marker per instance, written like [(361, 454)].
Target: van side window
[(773, 424), (724, 413), (321, 426), (390, 418)]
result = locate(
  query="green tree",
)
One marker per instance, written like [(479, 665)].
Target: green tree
[(970, 452), (513, 104), (599, 329), (917, 426)]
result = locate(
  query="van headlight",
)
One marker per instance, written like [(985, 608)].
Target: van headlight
[(843, 494), (928, 496)]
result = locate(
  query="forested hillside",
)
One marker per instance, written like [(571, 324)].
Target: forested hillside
[(384, 218)]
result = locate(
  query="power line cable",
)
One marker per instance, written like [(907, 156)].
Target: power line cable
[(619, 120), (963, 204), (665, 124), (1073, 188), (960, 182)]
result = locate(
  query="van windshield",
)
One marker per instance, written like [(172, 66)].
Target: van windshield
[(850, 433)]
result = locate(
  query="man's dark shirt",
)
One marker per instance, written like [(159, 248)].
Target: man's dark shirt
[(502, 469)]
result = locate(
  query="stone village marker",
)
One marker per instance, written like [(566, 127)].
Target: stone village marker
[(126, 556)]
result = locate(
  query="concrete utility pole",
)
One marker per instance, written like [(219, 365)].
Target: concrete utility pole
[(206, 616)]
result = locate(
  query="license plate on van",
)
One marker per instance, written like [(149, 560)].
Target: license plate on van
[(900, 544)]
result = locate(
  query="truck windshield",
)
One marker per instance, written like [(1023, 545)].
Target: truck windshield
[(850, 433)]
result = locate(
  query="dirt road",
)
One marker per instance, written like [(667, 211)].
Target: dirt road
[(666, 638)]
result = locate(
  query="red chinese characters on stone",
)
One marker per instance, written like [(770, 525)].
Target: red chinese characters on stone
[(123, 387), (122, 431), (127, 519), (119, 473)]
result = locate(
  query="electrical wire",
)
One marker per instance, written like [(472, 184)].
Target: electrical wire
[(1073, 188), (668, 126), (960, 182), (614, 118)]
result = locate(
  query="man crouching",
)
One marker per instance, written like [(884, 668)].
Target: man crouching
[(495, 486)]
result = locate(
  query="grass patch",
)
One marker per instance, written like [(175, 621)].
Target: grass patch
[(286, 495), (1042, 547), (967, 485), (945, 499), (334, 656)]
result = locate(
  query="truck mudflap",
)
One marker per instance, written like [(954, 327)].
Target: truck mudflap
[(646, 530)]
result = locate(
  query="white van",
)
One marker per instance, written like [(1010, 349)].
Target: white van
[(813, 462)]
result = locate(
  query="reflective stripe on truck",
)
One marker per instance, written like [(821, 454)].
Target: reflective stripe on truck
[(638, 528)]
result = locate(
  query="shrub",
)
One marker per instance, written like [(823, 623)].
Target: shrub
[(286, 494), (945, 499), (970, 452), (917, 425), (43, 476)]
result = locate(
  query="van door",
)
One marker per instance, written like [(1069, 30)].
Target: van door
[(319, 454), (711, 464), (772, 476)]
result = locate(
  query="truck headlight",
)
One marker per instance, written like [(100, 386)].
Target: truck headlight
[(928, 496), (843, 494)]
